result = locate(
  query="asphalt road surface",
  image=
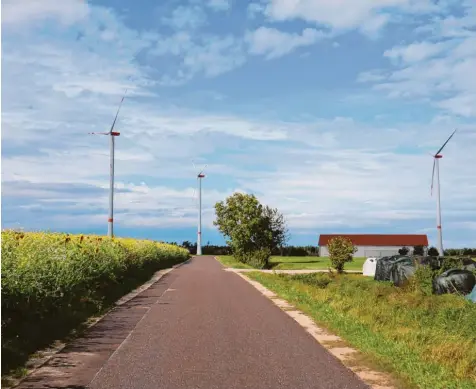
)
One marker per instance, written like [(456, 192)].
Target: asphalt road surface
[(197, 327)]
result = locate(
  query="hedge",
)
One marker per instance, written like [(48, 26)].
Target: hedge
[(53, 282)]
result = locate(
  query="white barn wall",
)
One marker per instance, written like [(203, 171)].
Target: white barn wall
[(369, 251)]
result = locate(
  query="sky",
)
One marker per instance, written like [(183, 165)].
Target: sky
[(328, 111)]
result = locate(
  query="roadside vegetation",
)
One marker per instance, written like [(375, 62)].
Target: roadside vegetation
[(427, 341), (294, 263), (52, 283), (252, 230)]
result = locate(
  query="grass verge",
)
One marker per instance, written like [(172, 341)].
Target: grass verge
[(425, 341), (293, 263), (311, 263), (229, 261)]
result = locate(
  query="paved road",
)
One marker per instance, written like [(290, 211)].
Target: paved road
[(198, 327)]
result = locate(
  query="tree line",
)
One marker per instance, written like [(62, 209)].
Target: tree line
[(253, 232)]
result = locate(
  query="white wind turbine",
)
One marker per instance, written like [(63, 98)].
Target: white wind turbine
[(112, 134), (200, 175), (436, 166)]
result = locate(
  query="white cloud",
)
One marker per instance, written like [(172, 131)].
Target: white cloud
[(210, 55), (274, 43), (254, 9), (438, 69), (366, 15), (415, 52), (186, 17), (27, 12)]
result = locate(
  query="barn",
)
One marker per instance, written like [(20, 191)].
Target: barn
[(376, 245)]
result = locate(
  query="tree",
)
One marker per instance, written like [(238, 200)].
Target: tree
[(251, 229), (341, 250), (403, 251), (433, 252), (418, 250)]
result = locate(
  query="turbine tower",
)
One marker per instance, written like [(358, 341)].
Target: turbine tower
[(436, 166), (112, 134), (200, 175)]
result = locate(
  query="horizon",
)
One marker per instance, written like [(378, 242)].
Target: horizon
[(331, 117)]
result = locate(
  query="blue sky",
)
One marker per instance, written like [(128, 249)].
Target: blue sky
[(326, 110)]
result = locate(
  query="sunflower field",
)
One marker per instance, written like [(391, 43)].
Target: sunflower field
[(53, 282)]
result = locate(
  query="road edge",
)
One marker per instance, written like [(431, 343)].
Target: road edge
[(49, 352), (375, 379)]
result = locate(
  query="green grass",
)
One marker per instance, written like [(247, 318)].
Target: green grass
[(311, 263), (229, 261), (294, 263), (425, 341)]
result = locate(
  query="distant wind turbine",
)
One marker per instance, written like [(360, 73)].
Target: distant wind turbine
[(436, 166), (200, 175), (112, 134)]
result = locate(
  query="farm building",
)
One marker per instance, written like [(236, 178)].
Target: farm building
[(376, 245)]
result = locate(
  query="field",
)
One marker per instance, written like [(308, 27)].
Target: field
[(52, 283), (294, 263), (425, 341)]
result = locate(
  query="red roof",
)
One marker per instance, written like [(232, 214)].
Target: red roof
[(379, 239)]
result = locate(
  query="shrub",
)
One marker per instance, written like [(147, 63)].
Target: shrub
[(52, 282), (433, 252), (451, 263), (403, 251), (418, 250), (253, 230), (422, 280), (341, 251)]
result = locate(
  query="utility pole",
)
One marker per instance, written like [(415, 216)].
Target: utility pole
[(199, 233)]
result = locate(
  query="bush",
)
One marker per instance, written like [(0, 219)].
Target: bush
[(252, 229), (258, 259), (53, 282), (341, 251), (433, 252), (418, 250), (403, 251), (451, 263), (422, 280)]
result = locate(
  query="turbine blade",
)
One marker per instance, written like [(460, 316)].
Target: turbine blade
[(203, 169), (117, 113), (444, 144), (433, 175)]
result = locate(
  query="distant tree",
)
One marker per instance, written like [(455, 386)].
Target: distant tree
[(252, 230), (403, 251), (341, 250), (433, 252), (418, 250)]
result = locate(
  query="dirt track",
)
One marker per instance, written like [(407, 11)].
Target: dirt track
[(197, 327)]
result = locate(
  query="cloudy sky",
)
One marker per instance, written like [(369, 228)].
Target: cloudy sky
[(327, 110)]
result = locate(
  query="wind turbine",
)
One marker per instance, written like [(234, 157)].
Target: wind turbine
[(200, 175), (436, 166), (112, 134)]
